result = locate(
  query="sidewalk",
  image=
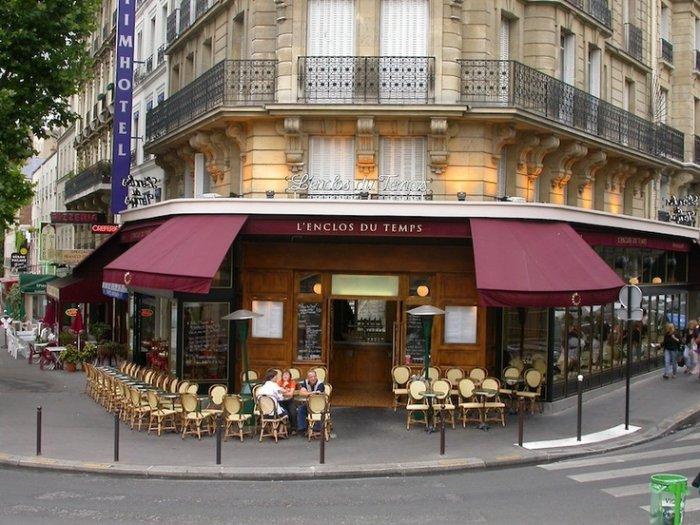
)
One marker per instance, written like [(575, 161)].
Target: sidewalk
[(78, 434)]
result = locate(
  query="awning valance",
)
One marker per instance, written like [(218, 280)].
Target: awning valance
[(182, 255), (34, 282), (538, 264), (73, 289)]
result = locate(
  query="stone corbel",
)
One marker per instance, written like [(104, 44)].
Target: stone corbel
[(366, 145), (186, 153), (561, 162), (546, 145), (585, 169), (503, 135), (643, 177), (455, 9), (525, 145), (294, 153), (623, 175), (677, 180), (237, 133), (170, 162), (281, 9), (437, 147), (213, 146)]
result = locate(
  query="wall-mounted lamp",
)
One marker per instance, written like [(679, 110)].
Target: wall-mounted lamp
[(461, 196), (634, 281), (656, 280), (270, 194), (422, 291), (429, 195), (318, 289)]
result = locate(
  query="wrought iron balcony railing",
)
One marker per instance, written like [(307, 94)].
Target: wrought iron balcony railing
[(696, 150), (666, 51), (160, 55), (97, 174), (598, 9), (149, 64), (697, 60), (505, 83), (634, 41), (228, 83), (171, 30), (201, 7), (348, 79), (185, 15)]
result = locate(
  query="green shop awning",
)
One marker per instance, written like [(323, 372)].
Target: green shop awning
[(34, 282)]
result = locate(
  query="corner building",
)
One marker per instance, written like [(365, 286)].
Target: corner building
[(326, 159)]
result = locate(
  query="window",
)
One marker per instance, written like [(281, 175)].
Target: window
[(665, 23), (594, 62), (271, 324), (331, 28), (402, 167), (504, 39), (628, 96), (460, 324), (567, 57), (161, 97), (331, 166), (205, 341), (365, 285), (663, 109)]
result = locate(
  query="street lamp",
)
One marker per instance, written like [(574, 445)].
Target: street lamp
[(426, 313), (241, 318)]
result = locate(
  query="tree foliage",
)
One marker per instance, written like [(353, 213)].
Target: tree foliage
[(43, 60)]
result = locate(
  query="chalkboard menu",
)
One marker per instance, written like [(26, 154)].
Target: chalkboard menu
[(414, 339), (309, 325)]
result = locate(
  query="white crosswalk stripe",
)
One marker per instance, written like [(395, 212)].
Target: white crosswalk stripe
[(628, 490), (689, 437), (636, 471), (621, 458)]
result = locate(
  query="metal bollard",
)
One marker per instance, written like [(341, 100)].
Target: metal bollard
[(116, 437), (38, 431), (322, 450), (521, 421), (442, 432), (218, 439), (580, 407)]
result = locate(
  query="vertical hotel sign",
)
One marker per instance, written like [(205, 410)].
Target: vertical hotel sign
[(123, 79)]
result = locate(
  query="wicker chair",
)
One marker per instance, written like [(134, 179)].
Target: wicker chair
[(233, 406), (295, 373), (321, 373), (533, 389), (271, 423), (477, 375), (416, 404), (193, 417), (468, 402), (318, 413), (511, 376), (454, 375), (140, 408), (443, 402), (400, 376), (493, 403), (433, 373), (159, 417)]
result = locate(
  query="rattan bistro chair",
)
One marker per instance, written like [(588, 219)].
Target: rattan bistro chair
[(233, 408), (443, 402), (140, 409), (321, 373), (295, 373), (494, 403), (477, 375), (193, 417), (533, 389), (318, 416), (160, 418), (468, 402), (252, 376), (400, 376), (433, 373), (416, 404), (512, 374), (271, 423)]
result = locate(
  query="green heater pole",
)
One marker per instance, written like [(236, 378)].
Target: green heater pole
[(242, 329), (427, 335)]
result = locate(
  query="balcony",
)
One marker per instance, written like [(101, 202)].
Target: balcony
[(597, 9), (149, 64), (201, 7), (171, 30), (666, 51), (228, 83), (696, 150), (92, 178), (160, 55), (185, 15), (504, 83), (634, 41), (369, 80)]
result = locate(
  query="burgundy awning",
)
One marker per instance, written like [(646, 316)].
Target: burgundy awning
[(182, 255), (538, 264), (73, 289)]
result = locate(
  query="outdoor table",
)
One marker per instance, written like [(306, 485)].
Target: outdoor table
[(36, 349), (484, 394), (56, 351), (514, 384), (430, 426), (170, 397)]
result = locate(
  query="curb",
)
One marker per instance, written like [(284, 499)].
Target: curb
[(415, 468)]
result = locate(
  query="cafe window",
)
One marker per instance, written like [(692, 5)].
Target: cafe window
[(154, 317), (460, 324), (271, 324), (365, 285), (205, 341), (309, 321), (224, 275), (363, 321), (525, 337)]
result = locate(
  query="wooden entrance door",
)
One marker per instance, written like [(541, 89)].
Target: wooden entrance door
[(361, 340)]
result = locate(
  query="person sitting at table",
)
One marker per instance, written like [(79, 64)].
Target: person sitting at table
[(307, 387), (288, 386), (271, 388)]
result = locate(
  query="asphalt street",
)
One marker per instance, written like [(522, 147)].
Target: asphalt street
[(611, 488)]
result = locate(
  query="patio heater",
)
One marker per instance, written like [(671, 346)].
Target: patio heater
[(241, 318), (426, 312)]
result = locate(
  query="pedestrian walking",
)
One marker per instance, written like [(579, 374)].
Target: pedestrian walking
[(690, 352), (671, 344)]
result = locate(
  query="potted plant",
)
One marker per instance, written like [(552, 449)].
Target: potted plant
[(88, 353), (99, 329), (110, 350), (66, 338), (70, 357)]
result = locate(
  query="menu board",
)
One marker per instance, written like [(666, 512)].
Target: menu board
[(271, 324), (460, 324), (414, 339), (309, 330)]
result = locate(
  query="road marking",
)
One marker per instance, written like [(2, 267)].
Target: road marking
[(596, 437), (636, 471), (691, 505), (689, 437), (620, 458), (628, 490)]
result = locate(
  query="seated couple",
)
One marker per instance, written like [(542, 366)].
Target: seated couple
[(281, 388)]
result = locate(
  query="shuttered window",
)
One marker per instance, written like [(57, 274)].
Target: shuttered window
[(402, 164), (331, 28), (504, 39), (331, 165), (404, 28)]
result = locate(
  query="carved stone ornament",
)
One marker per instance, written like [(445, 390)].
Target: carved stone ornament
[(294, 153), (366, 145), (437, 145)]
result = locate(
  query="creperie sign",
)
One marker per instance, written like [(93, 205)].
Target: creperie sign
[(104, 228)]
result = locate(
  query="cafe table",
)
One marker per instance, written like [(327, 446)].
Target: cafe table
[(484, 394)]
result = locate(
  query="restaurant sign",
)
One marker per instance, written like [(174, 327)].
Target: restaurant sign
[(682, 210), (104, 228), (76, 217), (71, 257), (18, 262), (141, 191), (391, 185), (358, 227)]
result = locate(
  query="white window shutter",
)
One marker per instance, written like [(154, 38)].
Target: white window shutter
[(404, 28), (402, 158), (504, 40), (594, 62), (332, 158), (331, 28)]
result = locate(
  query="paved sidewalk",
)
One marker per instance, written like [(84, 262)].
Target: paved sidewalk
[(78, 434)]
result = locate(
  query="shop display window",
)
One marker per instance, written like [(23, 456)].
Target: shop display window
[(525, 337), (271, 324), (153, 322), (205, 341), (365, 285), (460, 324)]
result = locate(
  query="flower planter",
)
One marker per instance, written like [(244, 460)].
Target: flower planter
[(69, 367)]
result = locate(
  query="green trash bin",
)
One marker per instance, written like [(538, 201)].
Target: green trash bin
[(668, 493)]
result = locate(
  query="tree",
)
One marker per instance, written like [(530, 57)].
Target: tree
[(43, 60)]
